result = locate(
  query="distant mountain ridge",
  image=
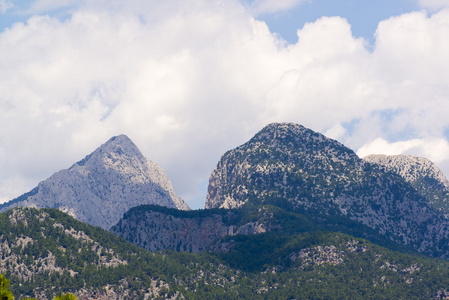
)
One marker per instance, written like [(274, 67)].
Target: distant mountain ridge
[(411, 168), (46, 252), (290, 166), (421, 173), (154, 228), (99, 189)]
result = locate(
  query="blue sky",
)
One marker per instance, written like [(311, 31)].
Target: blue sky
[(189, 80), (363, 16)]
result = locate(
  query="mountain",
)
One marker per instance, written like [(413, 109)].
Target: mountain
[(154, 229), (282, 161), (299, 170), (47, 252), (158, 228), (99, 189), (421, 173), (290, 214)]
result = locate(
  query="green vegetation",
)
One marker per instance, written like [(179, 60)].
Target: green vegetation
[(50, 253), (5, 293), (305, 190), (280, 220), (306, 173), (67, 296)]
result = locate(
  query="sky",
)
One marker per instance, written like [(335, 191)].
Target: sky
[(188, 80)]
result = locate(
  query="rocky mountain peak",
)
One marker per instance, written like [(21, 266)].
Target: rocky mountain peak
[(421, 173), (290, 137), (287, 135), (104, 185), (278, 149), (292, 167), (281, 131), (411, 168), (119, 149), (121, 145)]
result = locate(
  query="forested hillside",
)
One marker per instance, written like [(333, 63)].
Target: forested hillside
[(46, 252)]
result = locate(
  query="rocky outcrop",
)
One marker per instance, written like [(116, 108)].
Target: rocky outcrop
[(421, 173), (44, 252), (99, 189), (153, 229), (272, 164), (292, 167), (158, 231), (411, 168)]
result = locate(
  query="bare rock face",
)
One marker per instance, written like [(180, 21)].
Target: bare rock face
[(272, 163), (292, 167), (156, 229), (411, 168), (421, 173), (99, 189)]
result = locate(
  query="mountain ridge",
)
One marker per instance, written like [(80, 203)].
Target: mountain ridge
[(421, 173), (46, 252), (100, 188), (302, 216), (293, 167)]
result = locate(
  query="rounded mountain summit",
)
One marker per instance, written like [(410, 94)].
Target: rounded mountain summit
[(299, 170)]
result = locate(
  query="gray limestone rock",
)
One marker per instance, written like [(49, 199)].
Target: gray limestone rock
[(297, 169), (421, 173), (194, 231), (99, 189)]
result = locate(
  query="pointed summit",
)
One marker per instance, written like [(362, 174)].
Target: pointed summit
[(100, 188), (118, 145), (121, 144)]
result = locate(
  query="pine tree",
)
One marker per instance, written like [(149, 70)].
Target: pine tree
[(67, 296), (5, 293)]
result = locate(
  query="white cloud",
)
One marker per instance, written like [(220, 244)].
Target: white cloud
[(413, 48), (327, 78), (14, 185), (433, 4), (5, 5), (435, 149), (381, 146), (44, 6), (260, 7), (336, 132), (188, 80)]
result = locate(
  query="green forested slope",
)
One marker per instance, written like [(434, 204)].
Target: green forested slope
[(299, 170), (46, 252)]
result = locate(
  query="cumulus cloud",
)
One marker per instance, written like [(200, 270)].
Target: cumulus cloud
[(435, 149), (433, 4), (260, 7), (5, 5), (45, 6), (188, 80)]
